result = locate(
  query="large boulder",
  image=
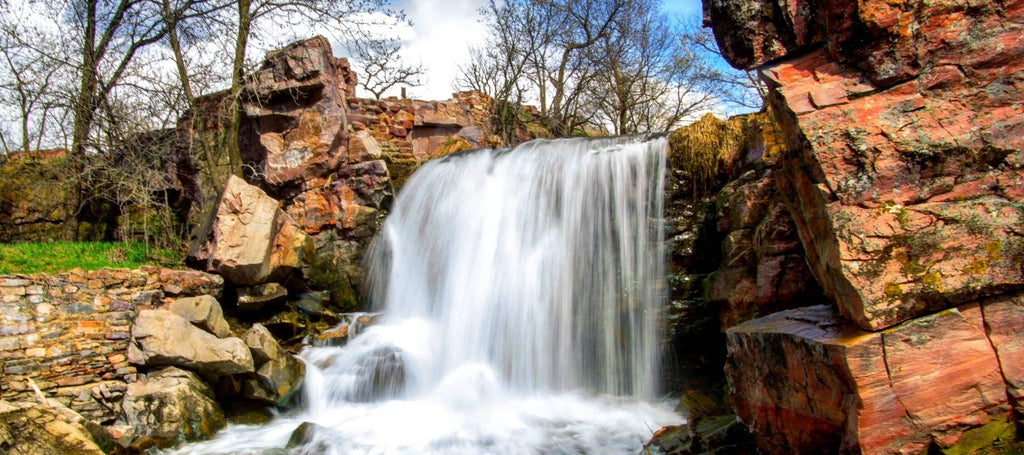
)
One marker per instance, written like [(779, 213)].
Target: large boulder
[(806, 381), (295, 107), (248, 239), (279, 374), (904, 120), (160, 337), (171, 406), (30, 428), (204, 312)]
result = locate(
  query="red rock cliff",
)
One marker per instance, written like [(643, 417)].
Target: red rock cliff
[(905, 129)]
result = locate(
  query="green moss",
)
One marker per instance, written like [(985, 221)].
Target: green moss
[(893, 290), (326, 274), (995, 437)]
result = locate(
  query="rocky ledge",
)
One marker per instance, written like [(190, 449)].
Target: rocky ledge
[(903, 125)]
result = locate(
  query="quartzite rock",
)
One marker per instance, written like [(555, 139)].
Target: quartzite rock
[(905, 125), (249, 239), (805, 381), (171, 406), (295, 106), (31, 428), (160, 337), (280, 374), (204, 312), (254, 298)]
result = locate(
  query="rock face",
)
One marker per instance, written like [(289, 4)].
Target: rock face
[(904, 180), (907, 124), (806, 381), (160, 337), (249, 239), (295, 108), (169, 406)]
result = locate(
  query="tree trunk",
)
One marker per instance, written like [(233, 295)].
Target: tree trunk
[(234, 129)]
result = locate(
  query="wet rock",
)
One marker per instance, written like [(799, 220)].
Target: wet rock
[(33, 428), (171, 406), (807, 381), (248, 239), (380, 375), (723, 434), (308, 439), (203, 312), (160, 337), (279, 374), (255, 298)]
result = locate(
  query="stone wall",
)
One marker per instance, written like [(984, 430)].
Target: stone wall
[(903, 124), (68, 333)]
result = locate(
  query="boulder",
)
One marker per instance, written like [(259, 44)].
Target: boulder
[(248, 239), (309, 438), (255, 298), (204, 312), (160, 337), (279, 374), (807, 381), (296, 111), (904, 125), (33, 428), (170, 406)]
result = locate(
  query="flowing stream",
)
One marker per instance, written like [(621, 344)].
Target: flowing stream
[(520, 292)]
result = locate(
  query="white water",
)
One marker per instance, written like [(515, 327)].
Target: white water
[(521, 292)]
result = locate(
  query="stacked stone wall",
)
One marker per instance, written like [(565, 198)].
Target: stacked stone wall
[(67, 334)]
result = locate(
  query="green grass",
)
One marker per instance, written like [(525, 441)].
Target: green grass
[(31, 257)]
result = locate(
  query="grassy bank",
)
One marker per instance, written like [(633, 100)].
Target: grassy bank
[(31, 257)]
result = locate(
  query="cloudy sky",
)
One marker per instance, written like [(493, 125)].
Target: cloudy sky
[(444, 30)]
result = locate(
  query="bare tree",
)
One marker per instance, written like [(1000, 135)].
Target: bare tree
[(741, 90), (29, 83), (383, 67), (645, 80)]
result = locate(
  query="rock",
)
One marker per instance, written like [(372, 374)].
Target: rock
[(171, 406), (898, 221), (279, 373), (255, 298), (309, 438), (806, 381), (203, 312), (297, 112), (380, 375), (160, 337), (249, 240), (723, 434), (32, 428), (335, 336)]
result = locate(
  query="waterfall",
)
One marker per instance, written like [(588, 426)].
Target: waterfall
[(544, 262), (520, 292)]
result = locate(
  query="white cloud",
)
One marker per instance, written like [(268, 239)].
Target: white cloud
[(440, 38)]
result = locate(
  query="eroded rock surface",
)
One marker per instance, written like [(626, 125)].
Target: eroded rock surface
[(160, 337), (249, 240), (169, 406), (907, 127), (204, 312), (806, 380)]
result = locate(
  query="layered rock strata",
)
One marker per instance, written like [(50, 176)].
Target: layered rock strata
[(903, 123)]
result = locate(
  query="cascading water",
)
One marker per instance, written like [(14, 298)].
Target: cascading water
[(520, 291)]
